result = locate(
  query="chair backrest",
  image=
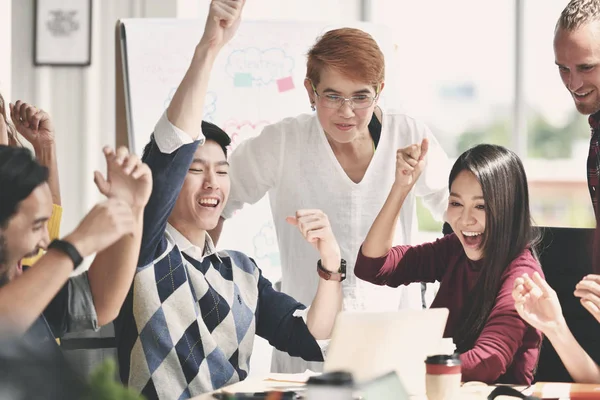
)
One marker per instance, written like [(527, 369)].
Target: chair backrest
[(86, 350), (566, 257)]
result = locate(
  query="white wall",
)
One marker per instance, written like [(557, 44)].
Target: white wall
[(5, 47), (80, 99)]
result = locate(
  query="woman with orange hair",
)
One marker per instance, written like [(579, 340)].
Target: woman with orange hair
[(339, 159)]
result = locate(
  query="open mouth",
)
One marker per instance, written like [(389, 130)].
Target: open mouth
[(209, 202), (472, 239), (344, 127), (19, 268)]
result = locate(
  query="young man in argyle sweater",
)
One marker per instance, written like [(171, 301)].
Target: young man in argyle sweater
[(189, 322)]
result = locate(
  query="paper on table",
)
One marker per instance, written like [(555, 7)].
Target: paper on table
[(292, 378), (279, 382)]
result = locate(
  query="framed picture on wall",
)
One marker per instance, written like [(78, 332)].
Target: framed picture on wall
[(63, 32)]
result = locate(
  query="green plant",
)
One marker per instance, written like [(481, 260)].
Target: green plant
[(104, 386)]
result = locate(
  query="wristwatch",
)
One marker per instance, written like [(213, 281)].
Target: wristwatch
[(68, 249), (339, 276)]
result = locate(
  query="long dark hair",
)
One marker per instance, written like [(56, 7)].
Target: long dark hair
[(508, 229)]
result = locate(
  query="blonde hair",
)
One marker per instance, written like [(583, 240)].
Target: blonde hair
[(13, 139), (578, 13)]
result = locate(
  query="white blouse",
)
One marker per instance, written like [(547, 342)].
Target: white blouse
[(293, 162)]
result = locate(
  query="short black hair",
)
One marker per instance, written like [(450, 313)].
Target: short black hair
[(20, 174), (216, 134), (210, 132)]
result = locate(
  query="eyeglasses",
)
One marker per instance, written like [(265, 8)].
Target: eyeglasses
[(334, 101)]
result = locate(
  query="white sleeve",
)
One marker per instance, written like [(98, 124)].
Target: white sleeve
[(323, 343), (169, 138), (432, 185), (255, 166)]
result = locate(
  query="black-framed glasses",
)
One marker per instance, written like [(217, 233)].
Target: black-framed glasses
[(335, 101)]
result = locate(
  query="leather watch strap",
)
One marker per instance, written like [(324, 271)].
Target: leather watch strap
[(339, 276)]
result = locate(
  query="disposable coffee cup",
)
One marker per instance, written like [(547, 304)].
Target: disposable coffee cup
[(443, 376)]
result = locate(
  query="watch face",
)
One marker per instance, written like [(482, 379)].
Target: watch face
[(342, 269)]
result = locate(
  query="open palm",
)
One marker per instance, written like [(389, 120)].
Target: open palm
[(537, 303), (128, 179)]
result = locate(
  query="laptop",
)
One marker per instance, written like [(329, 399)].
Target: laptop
[(373, 344), (386, 387)]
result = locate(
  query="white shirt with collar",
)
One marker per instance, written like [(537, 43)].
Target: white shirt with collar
[(189, 248)]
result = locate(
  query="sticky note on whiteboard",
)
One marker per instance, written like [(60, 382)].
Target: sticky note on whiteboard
[(242, 80), (285, 84)]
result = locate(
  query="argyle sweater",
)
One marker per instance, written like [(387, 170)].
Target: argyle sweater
[(188, 325)]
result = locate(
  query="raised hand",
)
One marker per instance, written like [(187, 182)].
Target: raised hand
[(410, 162), (106, 223), (537, 303), (222, 22), (33, 124), (128, 178), (588, 290), (316, 229)]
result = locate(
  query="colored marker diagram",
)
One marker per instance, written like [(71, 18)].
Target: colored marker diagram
[(239, 131), (253, 67)]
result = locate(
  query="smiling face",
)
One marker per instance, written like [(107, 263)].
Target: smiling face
[(342, 124), (204, 192), (577, 55), (26, 231), (466, 213)]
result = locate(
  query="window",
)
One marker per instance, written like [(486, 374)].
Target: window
[(457, 74), (456, 71)]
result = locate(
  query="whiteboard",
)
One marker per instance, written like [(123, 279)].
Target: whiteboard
[(256, 80)]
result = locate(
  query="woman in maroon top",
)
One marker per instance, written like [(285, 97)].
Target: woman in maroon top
[(488, 210)]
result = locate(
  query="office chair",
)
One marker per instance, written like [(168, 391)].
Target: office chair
[(566, 257)]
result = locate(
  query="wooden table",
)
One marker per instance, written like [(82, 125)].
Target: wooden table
[(469, 391)]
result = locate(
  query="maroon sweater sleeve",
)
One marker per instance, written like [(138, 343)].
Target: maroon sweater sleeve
[(503, 333), (407, 264)]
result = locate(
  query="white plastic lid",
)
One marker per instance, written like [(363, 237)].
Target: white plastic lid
[(448, 346)]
